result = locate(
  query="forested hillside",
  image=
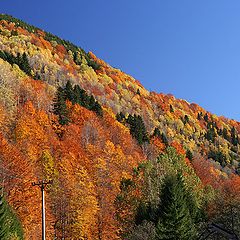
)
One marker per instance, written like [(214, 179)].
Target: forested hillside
[(126, 163)]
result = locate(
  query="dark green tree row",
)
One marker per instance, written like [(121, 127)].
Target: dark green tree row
[(218, 156), (50, 37), (10, 226), (19, 23), (176, 215), (78, 56), (136, 126), (169, 207), (213, 131), (77, 96), (157, 133), (20, 60)]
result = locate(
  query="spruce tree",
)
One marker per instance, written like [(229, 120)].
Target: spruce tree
[(69, 91), (164, 139), (137, 128), (4, 227), (189, 154), (156, 133), (10, 226), (76, 94), (24, 64), (120, 117), (60, 107), (175, 221)]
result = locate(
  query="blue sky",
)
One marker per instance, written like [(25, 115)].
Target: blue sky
[(188, 48)]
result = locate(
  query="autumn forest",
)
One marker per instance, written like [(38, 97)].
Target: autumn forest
[(125, 163)]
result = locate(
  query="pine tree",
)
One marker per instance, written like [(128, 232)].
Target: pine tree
[(76, 94), (171, 109), (69, 91), (189, 154), (164, 139), (156, 133), (225, 134), (97, 109), (175, 221), (10, 226), (199, 116), (234, 136), (60, 107), (24, 64), (137, 128), (120, 117), (4, 228), (206, 117)]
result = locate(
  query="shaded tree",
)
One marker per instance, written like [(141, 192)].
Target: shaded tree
[(60, 107), (175, 220)]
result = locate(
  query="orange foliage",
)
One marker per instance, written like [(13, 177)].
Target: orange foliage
[(16, 181), (207, 173), (45, 43), (159, 144), (179, 148)]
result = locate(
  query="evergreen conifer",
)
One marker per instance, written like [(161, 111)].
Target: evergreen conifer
[(175, 221)]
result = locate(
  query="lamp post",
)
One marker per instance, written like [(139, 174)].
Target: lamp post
[(42, 184)]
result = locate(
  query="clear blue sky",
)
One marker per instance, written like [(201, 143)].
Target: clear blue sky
[(190, 48)]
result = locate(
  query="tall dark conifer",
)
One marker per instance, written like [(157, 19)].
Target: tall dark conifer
[(4, 227), (10, 226), (60, 107), (175, 220), (137, 128), (69, 91)]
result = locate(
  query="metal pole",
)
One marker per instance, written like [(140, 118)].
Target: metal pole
[(42, 184), (43, 215)]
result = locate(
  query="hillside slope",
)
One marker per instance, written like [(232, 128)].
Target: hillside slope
[(68, 116)]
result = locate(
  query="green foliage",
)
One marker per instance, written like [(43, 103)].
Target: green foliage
[(91, 62), (77, 57), (185, 119), (164, 139), (78, 53), (218, 156), (234, 136), (120, 117), (77, 96), (160, 135), (171, 108), (69, 92), (137, 128), (225, 134), (189, 154), (175, 220), (60, 108), (206, 117), (14, 33), (18, 22), (20, 60), (174, 200), (10, 226), (136, 125), (156, 133), (199, 116), (50, 37), (211, 132)]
